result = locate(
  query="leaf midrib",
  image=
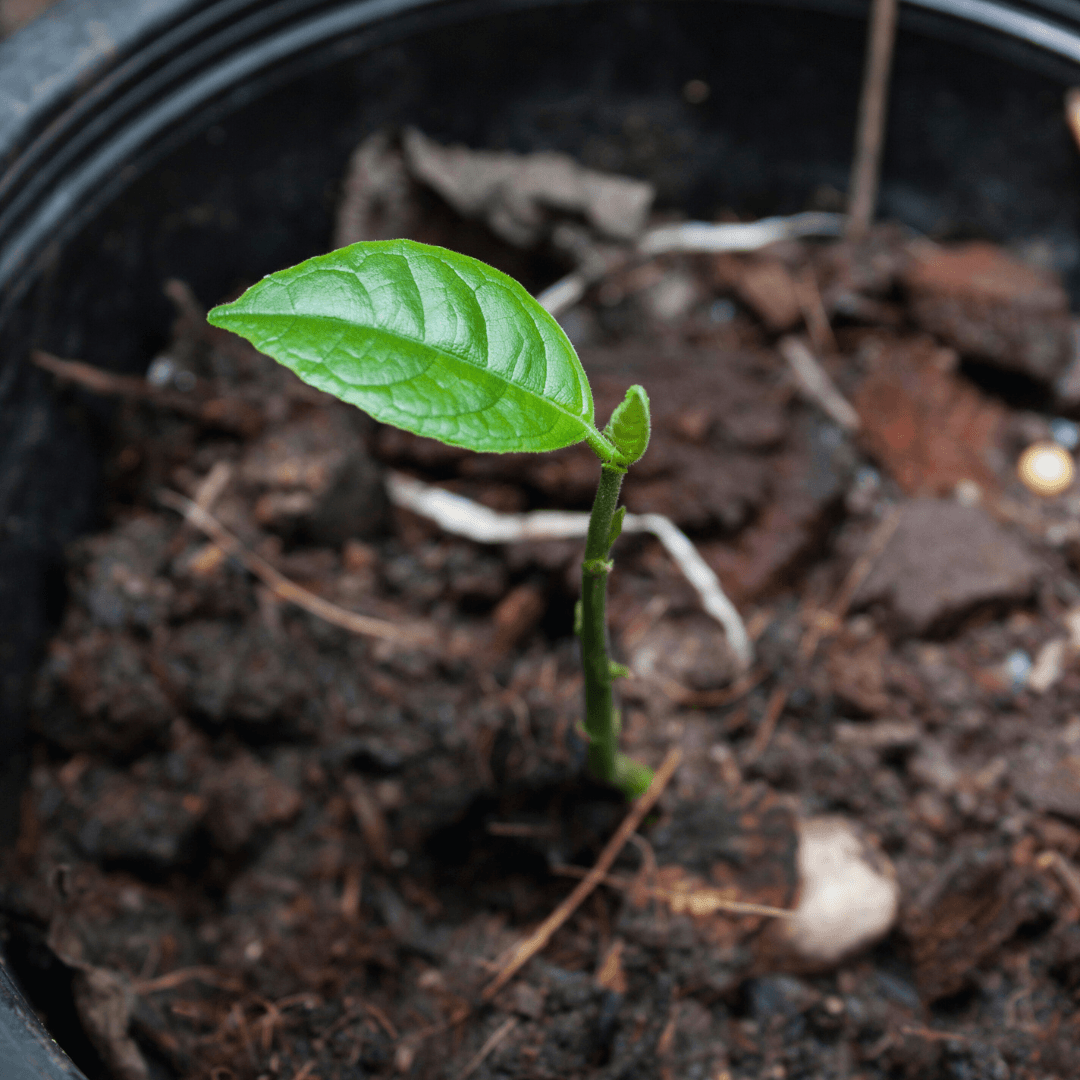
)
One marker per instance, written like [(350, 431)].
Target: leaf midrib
[(437, 352)]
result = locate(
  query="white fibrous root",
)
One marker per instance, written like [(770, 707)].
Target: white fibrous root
[(463, 517)]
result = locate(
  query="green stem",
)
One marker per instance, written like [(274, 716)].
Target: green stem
[(601, 717), (600, 445)]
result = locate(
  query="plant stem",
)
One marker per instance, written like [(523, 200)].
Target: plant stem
[(601, 718)]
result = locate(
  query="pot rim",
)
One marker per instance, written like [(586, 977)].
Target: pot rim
[(92, 93), (27, 1051)]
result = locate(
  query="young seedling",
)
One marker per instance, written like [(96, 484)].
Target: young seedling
[(447, 347)]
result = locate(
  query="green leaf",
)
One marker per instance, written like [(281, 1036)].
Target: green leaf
[(629, 426), (427, 340)]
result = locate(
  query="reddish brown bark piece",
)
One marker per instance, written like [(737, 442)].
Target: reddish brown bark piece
[(988, 305), (929, 429), (975, 904)]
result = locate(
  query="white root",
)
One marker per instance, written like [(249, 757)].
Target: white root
[(463, 517), (705, 236), (699, 236)]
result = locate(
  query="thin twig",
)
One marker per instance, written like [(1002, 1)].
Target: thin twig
[(288, 590), (814, 313), (709, 699), (99, 381), (208, 975), (763, 735), (543, 933), (933, 1036), (460, 516), (1065, 871), (710, 897), (564, 293), (815, 383), (873, 104), (846, 593), (92, 378), (865, 562), (381, 1019), (493, 1041), (212, 485)]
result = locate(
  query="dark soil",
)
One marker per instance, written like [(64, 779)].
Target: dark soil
[(255, 846)]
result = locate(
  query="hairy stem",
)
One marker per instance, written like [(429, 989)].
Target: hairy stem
[(601, 717)]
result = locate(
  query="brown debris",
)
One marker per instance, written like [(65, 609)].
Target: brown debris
[(927, 427), (975, 903), (983, 303), (857, 671), (766, 286), (515, 616), (285, 589), (805, 491), (943, 561), (1049, 780), (105, 1001), (311, 478), (246, 796), (516, 194), (542, 935), (377, 201)]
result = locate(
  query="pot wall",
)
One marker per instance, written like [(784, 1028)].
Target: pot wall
[(147, 139)]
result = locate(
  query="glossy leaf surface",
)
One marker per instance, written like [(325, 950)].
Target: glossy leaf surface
[(425, 339)]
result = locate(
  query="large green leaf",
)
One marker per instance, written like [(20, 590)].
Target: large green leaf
[(427, 340)]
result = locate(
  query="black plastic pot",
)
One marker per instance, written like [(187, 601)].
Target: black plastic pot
[(203, 139)]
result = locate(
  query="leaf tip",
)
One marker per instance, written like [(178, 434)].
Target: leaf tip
[(219, 316)]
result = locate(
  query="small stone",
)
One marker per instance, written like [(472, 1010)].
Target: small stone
[(848, 893), (1049, 666), (944, 560)]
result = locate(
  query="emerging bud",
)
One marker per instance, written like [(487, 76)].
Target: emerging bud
[(629, 426)]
